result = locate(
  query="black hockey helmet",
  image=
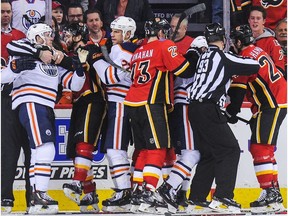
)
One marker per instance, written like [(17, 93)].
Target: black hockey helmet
[(76, 29), (242, 33), (152, 27), (214, 32)]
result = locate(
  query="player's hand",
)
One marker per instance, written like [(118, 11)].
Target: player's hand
[(77, 65), (231, 118), (199, 44), (21, 64), (82, 54), (57, 56), (95, 53), (46, 56)]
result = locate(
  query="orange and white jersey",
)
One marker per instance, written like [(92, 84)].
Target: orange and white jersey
[(40, 85), (117, 81), (26, 13)]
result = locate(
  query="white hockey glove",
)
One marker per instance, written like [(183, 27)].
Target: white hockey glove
[(199, 42), (82, 54)]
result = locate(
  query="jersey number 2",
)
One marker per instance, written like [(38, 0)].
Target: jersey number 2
[(273, 75)]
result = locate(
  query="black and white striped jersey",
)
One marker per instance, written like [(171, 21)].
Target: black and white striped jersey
[(213, 74), (22, 48)]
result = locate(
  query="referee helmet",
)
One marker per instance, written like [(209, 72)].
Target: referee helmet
[(242, 33), (214, 32)]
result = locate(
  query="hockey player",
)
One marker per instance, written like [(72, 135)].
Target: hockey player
[(150, 93), (267, 92), (88, 113), (118, 134), (183, 141), (180, 127), (14, 136), (34, 94)]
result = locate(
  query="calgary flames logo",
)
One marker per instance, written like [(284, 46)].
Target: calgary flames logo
[(271, 3)]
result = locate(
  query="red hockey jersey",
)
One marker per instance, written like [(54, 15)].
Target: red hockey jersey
[(151, 64), (7, 37), (267, 88), (184, 44)]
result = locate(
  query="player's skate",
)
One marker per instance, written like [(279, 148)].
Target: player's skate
[(135, 198), (152, 202), (42, 204), (119, 202), (181, 200), (225, 205), (280, 201), (267, 202), (89, 200), (168, 194), (6, 206), (198, 207), (73, 191)]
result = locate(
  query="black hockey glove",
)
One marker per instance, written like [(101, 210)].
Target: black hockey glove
[(95, 53), (232, 119), (21, 64)]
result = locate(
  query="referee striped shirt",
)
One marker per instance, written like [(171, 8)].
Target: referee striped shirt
[(213, 74)]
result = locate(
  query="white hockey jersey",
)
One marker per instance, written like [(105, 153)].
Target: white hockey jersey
[(117, 81), (22, 10), (180, 90), (40, 85)]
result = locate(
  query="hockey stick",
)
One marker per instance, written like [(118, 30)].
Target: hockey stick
[(243, 120), (109, 60), (190, 11), (239, 118)]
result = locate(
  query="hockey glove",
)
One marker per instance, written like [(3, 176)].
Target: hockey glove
[(79, 61), (198, 44), (232, 119), (95, 53), (21, 64)]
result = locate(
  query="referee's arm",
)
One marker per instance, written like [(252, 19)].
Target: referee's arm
[(237, 65)]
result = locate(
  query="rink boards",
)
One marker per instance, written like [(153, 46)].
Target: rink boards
[(62, 169)]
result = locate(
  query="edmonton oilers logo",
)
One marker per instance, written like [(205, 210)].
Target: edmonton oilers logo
[(48, 69), (31, 17)]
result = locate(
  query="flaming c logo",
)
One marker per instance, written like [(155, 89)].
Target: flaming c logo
[(271, 3)]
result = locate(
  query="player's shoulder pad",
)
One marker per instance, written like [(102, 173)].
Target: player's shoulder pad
[(129, 46)]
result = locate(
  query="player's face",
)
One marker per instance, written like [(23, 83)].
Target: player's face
[(68, 38), (116, 36), (49, 37), (58, 14), (6, 14), (256, 21), (94, 23)]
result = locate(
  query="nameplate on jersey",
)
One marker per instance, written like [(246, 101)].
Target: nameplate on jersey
[(48, 69)]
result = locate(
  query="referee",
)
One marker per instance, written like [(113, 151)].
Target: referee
[(216, 140)]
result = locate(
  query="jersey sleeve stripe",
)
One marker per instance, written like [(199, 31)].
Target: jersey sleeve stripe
[(181, 68)]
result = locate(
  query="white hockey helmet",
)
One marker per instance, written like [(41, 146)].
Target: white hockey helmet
[(125, 24), (199, 42), (38, 29)]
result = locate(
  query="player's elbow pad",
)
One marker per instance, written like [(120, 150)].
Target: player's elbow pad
[(77, 82)]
